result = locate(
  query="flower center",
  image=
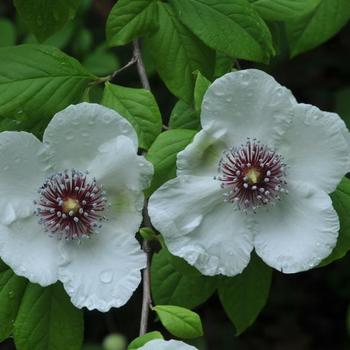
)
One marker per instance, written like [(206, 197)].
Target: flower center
[(253, 174), (71, 205)]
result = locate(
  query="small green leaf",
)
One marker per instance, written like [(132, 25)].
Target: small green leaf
[(201, 86), (162, 154), (141, 341), (341, 203), (183, 116), (282, 10), (177, 53), (47, 320), (147, 233), (12, 289), (232, 27), (244, 295), (174, 282), (139, 107), (307, 32), (39, 81), (45, 17), (131, 19), (114, 342), (181, 322), (8, 32)]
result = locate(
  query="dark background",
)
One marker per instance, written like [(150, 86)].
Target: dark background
[(306, 311)]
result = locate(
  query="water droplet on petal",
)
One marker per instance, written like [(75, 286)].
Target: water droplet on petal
[(106, 276), (107, 118)]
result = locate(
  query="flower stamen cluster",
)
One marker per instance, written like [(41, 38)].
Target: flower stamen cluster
[(253, 174), (71, 205)]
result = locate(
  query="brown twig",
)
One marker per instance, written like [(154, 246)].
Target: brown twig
[(129, 64), (146, 276), (140, 66)]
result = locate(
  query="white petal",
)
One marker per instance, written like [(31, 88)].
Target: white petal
[(299, 232), (201, 157), (22, 172), (30, 251), (104, 271), (248, 103), (75, 134), (200, 227), (160, 344), (117, 166), (315, 149)]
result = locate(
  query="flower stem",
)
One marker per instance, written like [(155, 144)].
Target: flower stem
[(146, 274), (140, 66)]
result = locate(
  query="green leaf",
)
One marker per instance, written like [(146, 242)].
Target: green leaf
[(232, 27), (201, 86), (177, 53), (39, 80), (141, 341), (45, 17), (12, 289), (139, 107), (82, 43), (179, 321), (244, 295), (47, 320), (223, 64), (307, 32), (342, 105), (8, 32), (183, 116), (341, 203), (59, 40), (24, 123), (162, 154), (101, 62), (282, 10), (131, 19), (172, 284)]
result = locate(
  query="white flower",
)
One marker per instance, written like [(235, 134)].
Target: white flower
[(53, 190), (257, 175), (160, 344)]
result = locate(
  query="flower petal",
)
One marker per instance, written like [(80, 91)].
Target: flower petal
[(200, 227), (315, 148), (104, 271), (201, 157), (299, 232), (248, 103), (22, 172), (117, 166), (30, 251), (160, 344), (75, 134)]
